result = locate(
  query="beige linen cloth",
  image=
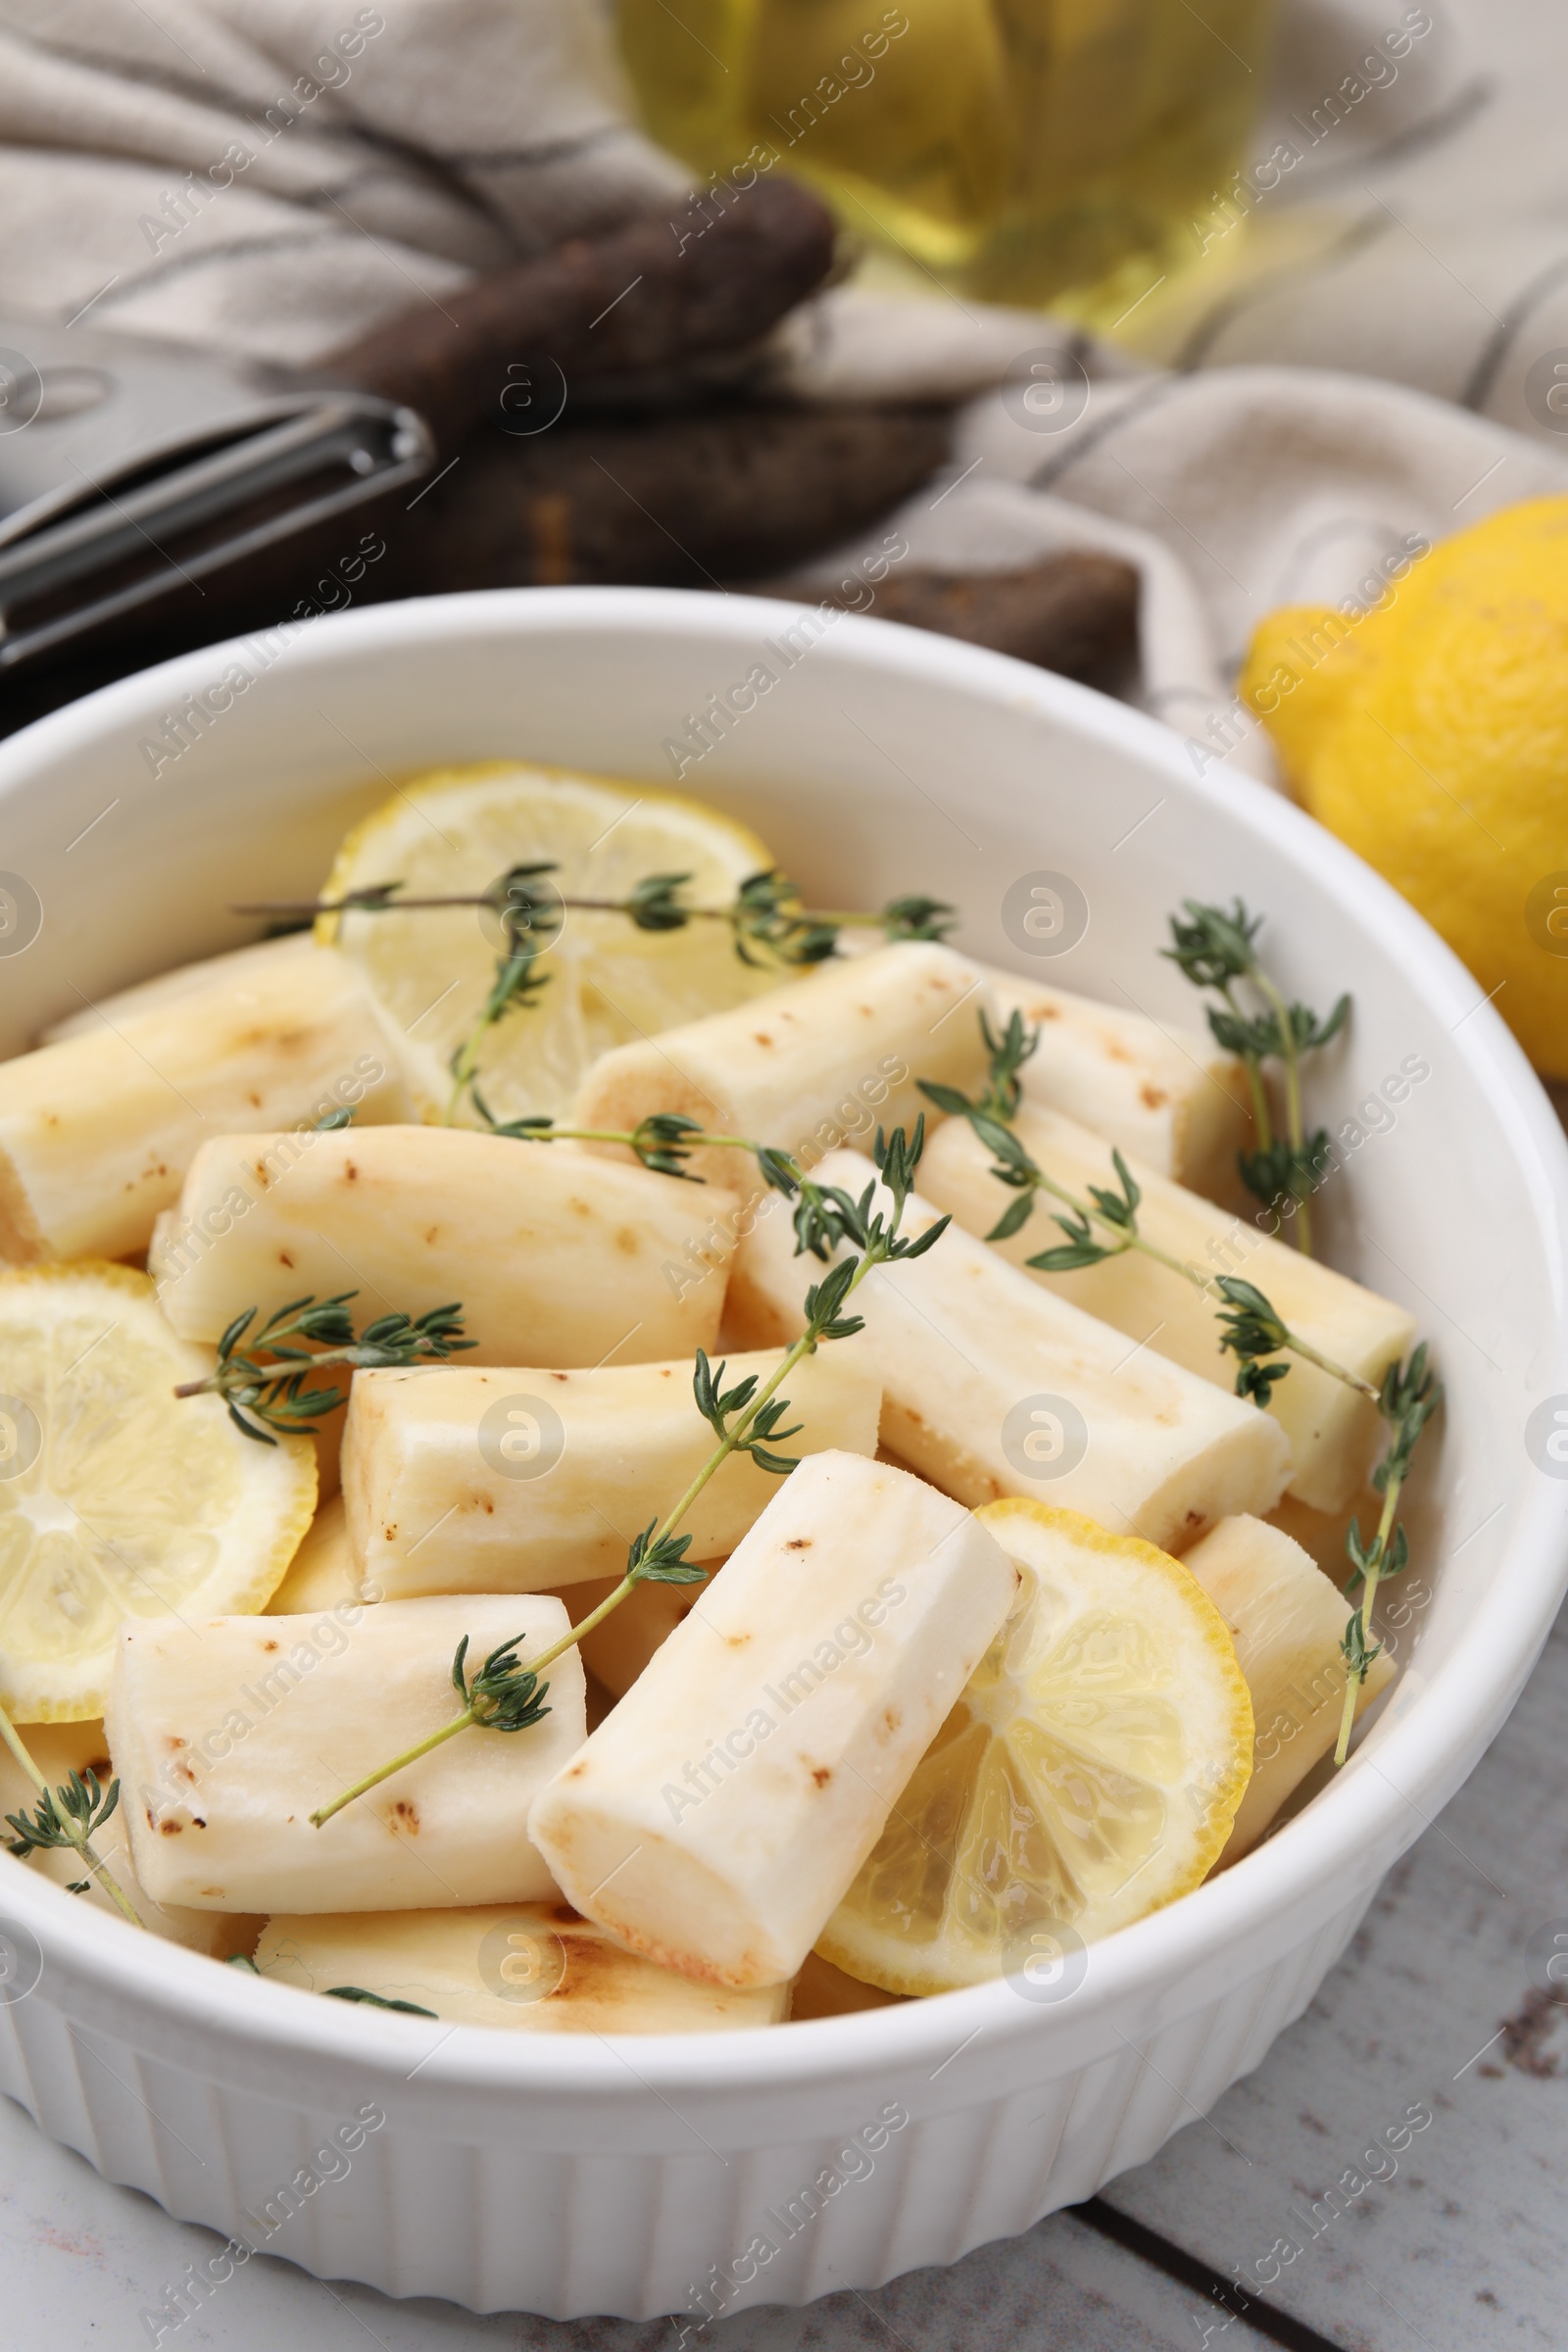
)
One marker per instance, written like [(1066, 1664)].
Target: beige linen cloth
[(1362, 358)]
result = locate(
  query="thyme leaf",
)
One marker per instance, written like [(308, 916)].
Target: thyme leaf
[(63, 1816), (1409, 1397), (373, 2000), (657, 1558), (503, 1696), (762, 1427), (1215, 948), (66, 1816)]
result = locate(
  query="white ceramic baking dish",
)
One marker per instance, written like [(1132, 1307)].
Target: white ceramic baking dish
[(639, 2176)]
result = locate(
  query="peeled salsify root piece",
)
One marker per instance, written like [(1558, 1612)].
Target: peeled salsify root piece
[(832, 1056), (1333, 1431), (323, 1572), (1286, 1618), (254, 970), (98, 1130), (618, 1650), (717, 1817), (991, 1386), (1171, 1096), (519, 1480), (530, 1968), (61, 1749), (556, 1257), (227, 1733)]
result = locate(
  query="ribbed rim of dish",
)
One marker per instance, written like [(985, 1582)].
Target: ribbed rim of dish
[(1336, 1849)]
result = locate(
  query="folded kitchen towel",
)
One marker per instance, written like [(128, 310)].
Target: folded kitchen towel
[(272, 176), (276, 176), (1233, 492)]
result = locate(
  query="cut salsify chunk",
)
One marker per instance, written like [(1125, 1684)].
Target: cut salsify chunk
[(1090, 1773), (115, 1500), (535, 1968), (1333, 1431), (459, 830), (720, 1810)]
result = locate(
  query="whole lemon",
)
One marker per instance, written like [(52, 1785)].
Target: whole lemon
[(1431, 734)]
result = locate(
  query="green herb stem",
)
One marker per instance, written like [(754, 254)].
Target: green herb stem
[(1215, 948), (215, 1385), (385, 1772), (1355, 1676), (501, 1695), (802, 1346), (700, 1139), (514, 988), (386, 900), (1290, 1056), (1126, 1238), (1325, 1363), (769, 927), (1289, 1339), (465, 1070), (1263, 1119), (71, 1828), (1364, 1650)]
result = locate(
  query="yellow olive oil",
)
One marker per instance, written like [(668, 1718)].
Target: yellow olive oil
[(1031, 151)]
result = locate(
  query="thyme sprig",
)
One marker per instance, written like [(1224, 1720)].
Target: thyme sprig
[(1250, 1326), (770, 927), (745, 1419), (66, 1818), (664, 1142), (503, 1696), (1214, 949), (262, 1385), (1409, 1397), (770, 923)]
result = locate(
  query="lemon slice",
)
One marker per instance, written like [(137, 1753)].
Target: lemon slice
[(116, 1500), (460, 830), (1090, 1773)]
